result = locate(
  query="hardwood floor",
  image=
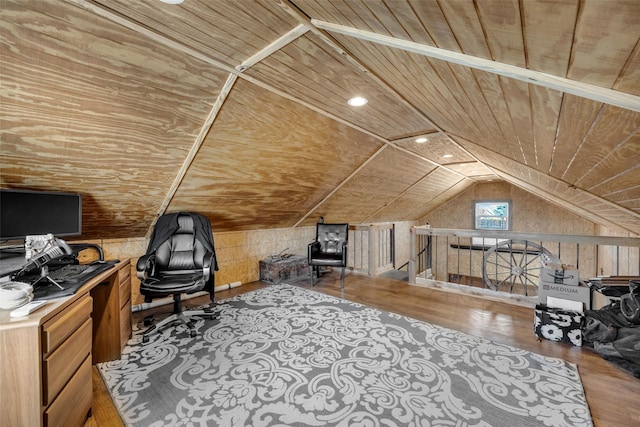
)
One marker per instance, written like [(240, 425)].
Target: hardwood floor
[(613, 394)]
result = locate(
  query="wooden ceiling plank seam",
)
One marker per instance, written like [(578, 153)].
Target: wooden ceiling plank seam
[(308, 8), (257, 12), (434, 88), (224, 93), (557, 135), (615, 193), (233, 72), (272, 47), (491, 89), (500, 31), (487, 127), (574, 87), (518, 155), (523, 33), (457, 144), (341, 184), (562, 203), (435, 24), (177, 46), (533, 130), (192, 36), (334, 44), (476, 94), (434, 99), (367, 17), (444, 193), (550, 22), (438, 165), (311, 84), (594, 59), (285, 95), (442, 198), (614, 177), (629, 78), (294, 11), (622, 194), (519, 103), (195, 22), (105, 13), (605, 154), (412, 137), (441, 97), (574, 113), (457, 93), (463, 20), (387, 18), (561, 193), (545, 107), (583, 140), (410, 21), (403, 193)]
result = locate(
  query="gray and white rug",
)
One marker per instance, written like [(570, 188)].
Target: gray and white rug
[(287, 356)]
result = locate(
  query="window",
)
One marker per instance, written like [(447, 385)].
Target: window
[(492, 215)]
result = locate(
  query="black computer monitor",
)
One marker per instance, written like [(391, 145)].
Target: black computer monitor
[(26, 213)]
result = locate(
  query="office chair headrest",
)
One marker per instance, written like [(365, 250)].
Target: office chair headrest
[(185, 225)]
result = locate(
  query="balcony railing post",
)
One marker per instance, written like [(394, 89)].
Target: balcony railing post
[(412, 255)]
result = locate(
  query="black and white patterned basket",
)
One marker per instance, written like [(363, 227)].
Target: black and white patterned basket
[(558, 325)]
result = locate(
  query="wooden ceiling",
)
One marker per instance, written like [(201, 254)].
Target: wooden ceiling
[(237, 109)]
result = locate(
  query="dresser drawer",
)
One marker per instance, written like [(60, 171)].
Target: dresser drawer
[(125, 292), (125, 324), (56, 330), (74, 402), (124, 273), (60, 365)]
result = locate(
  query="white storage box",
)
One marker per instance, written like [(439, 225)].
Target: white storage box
[(570, 292)]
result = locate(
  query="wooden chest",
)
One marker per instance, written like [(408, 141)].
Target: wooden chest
[(278, 270)]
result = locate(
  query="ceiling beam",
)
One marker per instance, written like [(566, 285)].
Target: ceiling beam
[(342, 183), (186, 164), (556, 191), (275, 46), (562, 84)]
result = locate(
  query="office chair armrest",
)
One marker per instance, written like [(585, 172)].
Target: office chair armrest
[(312, 248), (207, 263), (345, 246), (145, 264)]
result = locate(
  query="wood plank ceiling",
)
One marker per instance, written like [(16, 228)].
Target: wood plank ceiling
[(237, 109)]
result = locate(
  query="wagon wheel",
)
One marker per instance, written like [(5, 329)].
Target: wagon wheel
[(513, 263)]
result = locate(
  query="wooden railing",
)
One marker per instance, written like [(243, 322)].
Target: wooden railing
[(371, 248), (459, 256)]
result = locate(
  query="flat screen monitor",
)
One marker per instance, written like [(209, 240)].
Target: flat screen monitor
[(26, 213)]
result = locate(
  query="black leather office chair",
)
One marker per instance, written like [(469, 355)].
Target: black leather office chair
[(180, 259), (329, 248)]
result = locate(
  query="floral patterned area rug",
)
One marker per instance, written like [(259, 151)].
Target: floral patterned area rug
[(287, 356)]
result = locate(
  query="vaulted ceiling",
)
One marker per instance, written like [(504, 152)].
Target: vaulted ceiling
[(237, 109)]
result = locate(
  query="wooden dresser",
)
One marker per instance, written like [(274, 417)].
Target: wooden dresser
[(46, 358)]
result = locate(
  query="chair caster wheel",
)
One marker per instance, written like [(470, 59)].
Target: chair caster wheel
[(193, 334), (145, 339), (148, 320)]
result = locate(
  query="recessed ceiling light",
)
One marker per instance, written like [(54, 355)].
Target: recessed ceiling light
[(421, 140), (172, 1), (447, 156), (358, 101)]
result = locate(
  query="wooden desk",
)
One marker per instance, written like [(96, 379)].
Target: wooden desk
[(46, 358)]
